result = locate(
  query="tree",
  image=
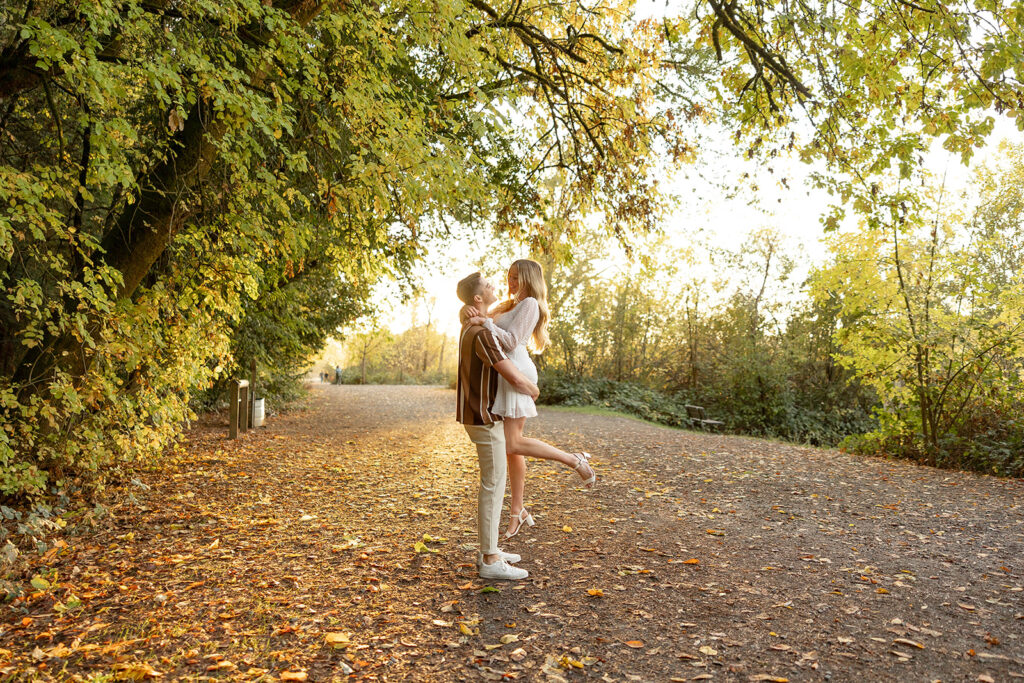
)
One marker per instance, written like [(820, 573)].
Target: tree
[(935, 304), (163, 163)]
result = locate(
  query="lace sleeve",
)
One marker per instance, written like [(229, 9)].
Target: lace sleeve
[(520, 321)]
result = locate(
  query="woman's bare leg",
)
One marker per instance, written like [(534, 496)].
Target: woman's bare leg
[(516, 480), (516, 443), (516, 474), (517, 483)]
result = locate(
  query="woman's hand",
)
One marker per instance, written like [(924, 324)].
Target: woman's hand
[(477, 320), (466, 313)]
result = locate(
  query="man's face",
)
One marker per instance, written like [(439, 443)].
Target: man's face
[(488, 295)]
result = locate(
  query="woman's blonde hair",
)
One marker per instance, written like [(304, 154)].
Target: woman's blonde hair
[(531, 283)]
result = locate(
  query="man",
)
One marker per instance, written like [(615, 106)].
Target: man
[(481, 360)]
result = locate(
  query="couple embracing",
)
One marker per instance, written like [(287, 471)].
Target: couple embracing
[(497, 387)]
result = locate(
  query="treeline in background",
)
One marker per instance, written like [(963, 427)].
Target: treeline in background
[(373, 354), (906, 342)]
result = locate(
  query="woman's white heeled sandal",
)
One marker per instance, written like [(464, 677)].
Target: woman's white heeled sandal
[(582, 465), (524, 517)]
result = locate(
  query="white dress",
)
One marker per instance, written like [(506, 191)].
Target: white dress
[(512, 330)]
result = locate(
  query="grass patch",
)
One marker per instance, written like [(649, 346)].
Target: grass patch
[(609, 412)]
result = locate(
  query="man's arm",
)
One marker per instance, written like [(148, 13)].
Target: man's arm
[(489, 352), (510, 372)]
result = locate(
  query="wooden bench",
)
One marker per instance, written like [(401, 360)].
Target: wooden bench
[(699, 418)]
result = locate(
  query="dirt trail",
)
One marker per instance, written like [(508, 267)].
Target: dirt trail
[(293, 552)]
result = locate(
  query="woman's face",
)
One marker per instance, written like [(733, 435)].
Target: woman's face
[(513, 280)]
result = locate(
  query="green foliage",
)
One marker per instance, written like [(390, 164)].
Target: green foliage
[(626, 397), (166, 168), (650, 339), (877, 81), (934, 301), (191, 186), (283, 328)]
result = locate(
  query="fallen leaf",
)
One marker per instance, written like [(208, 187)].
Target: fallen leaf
[(707, 650), (595, 592), (59, 650), (692, 560), (911, 643), (137, 671), (768, 677), (566, 528), (337, 639), (294, 676), (567, 662), (635, 644), (427, 538), (508, 638)]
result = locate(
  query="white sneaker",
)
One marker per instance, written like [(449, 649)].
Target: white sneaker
[(511, 558), (500, 569)]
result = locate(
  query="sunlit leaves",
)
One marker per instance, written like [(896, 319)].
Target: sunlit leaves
[(932, 303), (192, 188)]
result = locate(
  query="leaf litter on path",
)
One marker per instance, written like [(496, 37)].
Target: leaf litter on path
[(341, 539)]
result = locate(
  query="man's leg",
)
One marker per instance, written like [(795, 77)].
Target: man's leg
[(490, 451)]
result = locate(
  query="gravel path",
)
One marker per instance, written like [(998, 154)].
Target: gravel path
[(338, 543)]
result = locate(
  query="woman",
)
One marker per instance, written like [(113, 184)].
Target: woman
[(524, 316)]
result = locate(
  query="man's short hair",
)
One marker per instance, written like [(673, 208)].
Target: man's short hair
[(470, 287)]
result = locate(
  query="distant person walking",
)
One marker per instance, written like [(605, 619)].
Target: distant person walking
[(515, 322)]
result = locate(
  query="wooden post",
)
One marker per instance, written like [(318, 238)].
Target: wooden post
[(252, 392), (237, 407), (243, 406), (233, 410)]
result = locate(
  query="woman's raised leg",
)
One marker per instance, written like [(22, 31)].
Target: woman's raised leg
[(516, 443)]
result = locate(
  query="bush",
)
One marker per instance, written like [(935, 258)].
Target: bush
[(781, 417), (994, 448), (626, 397)]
